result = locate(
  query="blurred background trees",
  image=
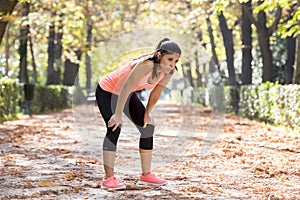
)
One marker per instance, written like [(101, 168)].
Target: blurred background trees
[(50, 41)]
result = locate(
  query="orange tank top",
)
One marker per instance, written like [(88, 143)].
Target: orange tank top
[(114, 81)]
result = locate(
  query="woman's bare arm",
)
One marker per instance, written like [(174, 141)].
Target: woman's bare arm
[(154, 97), (138, 71)]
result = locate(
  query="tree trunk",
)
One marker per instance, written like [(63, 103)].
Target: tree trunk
[(33, 60), (264, 34), (58, 51), (54, 52), (88, 59), (51, 48), (228, 43), (289, 67), (296, 79), (199, 76), (24, 31), (246, 76), (189, 73), (212, 43), (71, 76), (7, 49), (6, 8), (264, 44)]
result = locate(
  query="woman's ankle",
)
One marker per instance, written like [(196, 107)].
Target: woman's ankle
[(145, 173)]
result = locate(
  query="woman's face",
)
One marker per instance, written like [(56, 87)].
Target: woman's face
[(168, 62)]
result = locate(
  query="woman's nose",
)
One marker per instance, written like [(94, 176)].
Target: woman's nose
[(173, 64)]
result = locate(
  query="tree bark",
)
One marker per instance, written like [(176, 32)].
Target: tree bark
[(289, 67), (212, 43), (71, 76), (188, 74), (246, 76), (7, 49), (264, 45), (88, 58), (24, 31), (51, 48), (228, 43), (264, 34), (199, 76), (33, 60), (296, 79), (6, 8), (54, 52)]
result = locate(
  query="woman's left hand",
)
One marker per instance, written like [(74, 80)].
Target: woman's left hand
[(147, 120)]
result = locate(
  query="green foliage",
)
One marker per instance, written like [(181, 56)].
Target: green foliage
[(291, 27), (10, 97), (110, 18), (50, 98), (269, 102)]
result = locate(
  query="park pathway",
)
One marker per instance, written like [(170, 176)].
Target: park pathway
[(58, 156)]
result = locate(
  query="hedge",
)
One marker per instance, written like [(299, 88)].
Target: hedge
[(46, 98), (50, 98), (269, 102), (10, 98)]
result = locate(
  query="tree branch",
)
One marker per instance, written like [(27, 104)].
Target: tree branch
[(278, 15), (249, 14)]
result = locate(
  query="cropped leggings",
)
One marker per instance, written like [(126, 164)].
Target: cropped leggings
[(134, 110)]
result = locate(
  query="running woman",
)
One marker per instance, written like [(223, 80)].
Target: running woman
[(116, 93)]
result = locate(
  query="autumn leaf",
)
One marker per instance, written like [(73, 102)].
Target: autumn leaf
[(46, 184)]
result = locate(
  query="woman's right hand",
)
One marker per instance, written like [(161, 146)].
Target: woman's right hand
[(115, 121)]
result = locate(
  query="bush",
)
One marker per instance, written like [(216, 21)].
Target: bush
[(274, 103), (269, 102), (10, 97), (50, 98), (45, 98)]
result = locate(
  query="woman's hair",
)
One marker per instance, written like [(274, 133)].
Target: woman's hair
[(165, 46)]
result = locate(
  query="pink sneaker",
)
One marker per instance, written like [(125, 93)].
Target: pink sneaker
[(151, 179), (112, 183)]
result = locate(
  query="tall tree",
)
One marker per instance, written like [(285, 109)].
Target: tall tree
[(212, 42), (229, 48), (246, 76), (51, 49), (296, 78), (88, 58), (290, 29), (264, 33), (24, 32), (289, 66), (55, 50), (72, 68)]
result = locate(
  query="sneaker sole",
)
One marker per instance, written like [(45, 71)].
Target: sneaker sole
[(148, 183), (113, 189)]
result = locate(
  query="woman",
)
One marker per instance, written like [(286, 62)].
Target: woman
[(115, 94)]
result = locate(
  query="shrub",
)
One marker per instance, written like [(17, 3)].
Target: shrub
[(10, 98), (50, 98), (269, 102)]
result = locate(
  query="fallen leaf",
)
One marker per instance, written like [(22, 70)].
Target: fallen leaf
[(46, 184)]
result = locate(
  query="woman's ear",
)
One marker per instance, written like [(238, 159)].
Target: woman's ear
[(158, 55)]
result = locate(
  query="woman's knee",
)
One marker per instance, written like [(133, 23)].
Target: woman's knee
[(111, 140), (146, 138)]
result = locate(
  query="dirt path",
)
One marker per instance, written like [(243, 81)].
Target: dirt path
[(58, 156)]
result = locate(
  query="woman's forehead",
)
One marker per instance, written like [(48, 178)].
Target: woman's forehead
[(173, 55)]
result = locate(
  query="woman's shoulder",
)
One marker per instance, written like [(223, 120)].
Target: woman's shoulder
[(143, 63)]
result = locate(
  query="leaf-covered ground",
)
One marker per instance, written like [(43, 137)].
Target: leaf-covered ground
[(58, 156)]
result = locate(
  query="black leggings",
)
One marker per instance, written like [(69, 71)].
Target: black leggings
[(134, 110)]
